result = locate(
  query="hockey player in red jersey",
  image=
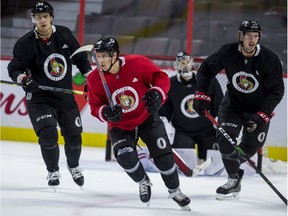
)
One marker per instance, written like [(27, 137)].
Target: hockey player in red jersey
[(255, 87), (42, 57), (138, 89)]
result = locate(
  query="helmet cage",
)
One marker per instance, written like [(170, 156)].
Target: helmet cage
[(184, 66), (183, 62)]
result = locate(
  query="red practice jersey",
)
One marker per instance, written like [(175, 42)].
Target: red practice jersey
[(137, 75)]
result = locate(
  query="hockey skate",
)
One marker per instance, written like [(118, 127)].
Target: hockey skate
[(77, 175), (53, 179), (145, 190), (181, 199), (230, 190)]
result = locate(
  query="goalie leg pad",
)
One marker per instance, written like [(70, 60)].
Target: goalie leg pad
[(167, 167), (128, 159)]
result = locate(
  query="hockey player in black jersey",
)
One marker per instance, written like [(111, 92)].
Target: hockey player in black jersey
[(190, 128), (41, 57), (255, 87)]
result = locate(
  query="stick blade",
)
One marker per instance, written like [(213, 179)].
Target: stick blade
[(86, 48)]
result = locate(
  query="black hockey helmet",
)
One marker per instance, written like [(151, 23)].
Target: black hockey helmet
[(109, 45), (249, 26), (42, 7)]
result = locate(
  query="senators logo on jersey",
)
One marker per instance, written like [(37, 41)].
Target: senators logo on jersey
[(127, 97), (55, 67), (245, 82)]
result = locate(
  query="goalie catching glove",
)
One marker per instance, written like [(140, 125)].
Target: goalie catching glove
[(113, 115), (257, 121), (153, 101), (201, 102)]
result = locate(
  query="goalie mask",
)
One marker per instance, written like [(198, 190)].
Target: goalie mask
[(183, 64)]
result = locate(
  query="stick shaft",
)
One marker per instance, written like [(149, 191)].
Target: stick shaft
[(103, 80), (222, 131), (260, 157), (46, 88), (108, 147), (181, 164)]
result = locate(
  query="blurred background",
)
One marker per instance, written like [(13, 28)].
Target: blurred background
[(155, 27)]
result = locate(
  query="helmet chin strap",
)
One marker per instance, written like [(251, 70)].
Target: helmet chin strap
[(43, 35), (111, 65)]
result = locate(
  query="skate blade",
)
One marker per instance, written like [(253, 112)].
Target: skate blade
[(148, 203), (54, 188), (231, 196), (202, 167), (186, 208)]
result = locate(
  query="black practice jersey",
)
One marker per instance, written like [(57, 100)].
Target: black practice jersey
[(254, 83), (48, 62), (178, 108)]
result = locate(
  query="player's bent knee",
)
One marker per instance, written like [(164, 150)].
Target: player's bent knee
[(73, 142), (225, 146), (127, 157), (249, 149), (48, 137), (164, 162)]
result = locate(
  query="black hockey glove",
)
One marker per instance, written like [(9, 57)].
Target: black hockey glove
[(201, 102), (115, 115), (29, 84), (257, 121), (153, 101)]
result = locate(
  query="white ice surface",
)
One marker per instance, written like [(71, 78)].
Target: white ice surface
[(108, 191)]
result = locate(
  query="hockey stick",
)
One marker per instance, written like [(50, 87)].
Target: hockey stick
[(108, 147), (185, 169), (103, 80), (260, 158), (90, 49), (242, 153), (181, 164), (46, 88)]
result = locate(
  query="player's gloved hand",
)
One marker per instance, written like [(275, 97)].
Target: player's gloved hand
[(201, 102), (115, 115), (257, 121), (153, 101), (29, 84)]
